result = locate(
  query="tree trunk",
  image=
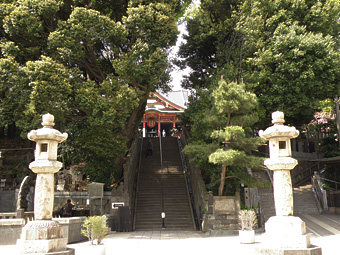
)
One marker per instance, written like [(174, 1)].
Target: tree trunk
[(131, 126), (222, 182), (135, 118), (336, 101)]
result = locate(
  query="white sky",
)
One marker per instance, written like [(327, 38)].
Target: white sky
[(177, 75)]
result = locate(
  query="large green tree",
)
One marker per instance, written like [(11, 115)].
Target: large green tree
[(285, 51), (293, 57), (90, 63)]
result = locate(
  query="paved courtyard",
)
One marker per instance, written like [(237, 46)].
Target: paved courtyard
[(180, 242), (324, 230), (186, 242)]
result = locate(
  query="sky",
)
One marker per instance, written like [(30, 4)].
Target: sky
[(177, 75)]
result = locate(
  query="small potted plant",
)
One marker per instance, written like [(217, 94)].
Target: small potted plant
[(248, 222), (95, 229)]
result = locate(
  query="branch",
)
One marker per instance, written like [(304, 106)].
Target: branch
[(136, 84)]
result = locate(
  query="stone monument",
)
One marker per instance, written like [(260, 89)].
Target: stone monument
[(43, 235), (285, 233)]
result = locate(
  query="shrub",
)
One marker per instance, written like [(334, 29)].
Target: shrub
[(95, 228)]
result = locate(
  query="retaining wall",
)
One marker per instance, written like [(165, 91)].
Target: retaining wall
[(222, 215)]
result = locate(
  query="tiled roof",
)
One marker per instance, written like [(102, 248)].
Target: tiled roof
[(179, 97)]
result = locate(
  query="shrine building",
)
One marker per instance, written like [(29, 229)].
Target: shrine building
[(162, 113)]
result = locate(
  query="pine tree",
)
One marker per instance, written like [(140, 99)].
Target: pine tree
[(239, 106)]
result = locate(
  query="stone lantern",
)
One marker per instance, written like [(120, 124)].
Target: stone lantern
[(281, 162), (43, 235), (45, 166), (286, 234)]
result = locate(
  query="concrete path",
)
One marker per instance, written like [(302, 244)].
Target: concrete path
[(169, 243), (187, 242)]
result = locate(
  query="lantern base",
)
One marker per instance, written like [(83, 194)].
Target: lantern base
[(287, 235), (43, 237)]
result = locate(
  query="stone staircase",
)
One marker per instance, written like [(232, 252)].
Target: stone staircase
[(304, 201), (169, 182)]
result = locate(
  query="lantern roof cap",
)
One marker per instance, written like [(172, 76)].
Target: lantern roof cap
[(278, 129), (47, 132)]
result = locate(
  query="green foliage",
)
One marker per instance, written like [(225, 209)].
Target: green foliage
[(226, 138), (95, 228), (285, 51), (292, 69), (331, 173), (89, 63), (330, 147)]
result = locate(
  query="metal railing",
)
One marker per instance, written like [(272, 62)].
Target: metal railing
[(162, 194), (137, 184), (319, 193), (189, 186), (305, 174), (328, 180)]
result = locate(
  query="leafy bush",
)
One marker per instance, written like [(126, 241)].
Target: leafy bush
[(95, 228)]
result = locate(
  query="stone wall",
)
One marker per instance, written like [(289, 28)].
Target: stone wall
[(222, 215), (8, 200), (125, 193)]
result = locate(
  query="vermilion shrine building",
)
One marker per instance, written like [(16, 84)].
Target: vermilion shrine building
[(162, 113)]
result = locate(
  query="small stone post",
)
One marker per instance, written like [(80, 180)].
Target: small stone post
[(284, 232), (43, 235)]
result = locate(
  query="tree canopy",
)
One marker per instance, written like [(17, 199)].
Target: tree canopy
[(285, 51), (89, 63)]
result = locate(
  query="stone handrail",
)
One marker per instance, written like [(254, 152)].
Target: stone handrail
[(27, 216), (8, 215)]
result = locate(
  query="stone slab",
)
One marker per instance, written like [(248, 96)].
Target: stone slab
[(69, 251), (314, 250), (225, 204)]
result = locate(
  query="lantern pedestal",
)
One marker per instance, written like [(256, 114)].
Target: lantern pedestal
[(43, 237), (286, 232)]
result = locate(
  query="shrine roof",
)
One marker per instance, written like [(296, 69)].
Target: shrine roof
[(179, 97), (173, 101)]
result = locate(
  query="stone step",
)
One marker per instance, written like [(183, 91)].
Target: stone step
[(325, 224), (175, 196)]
